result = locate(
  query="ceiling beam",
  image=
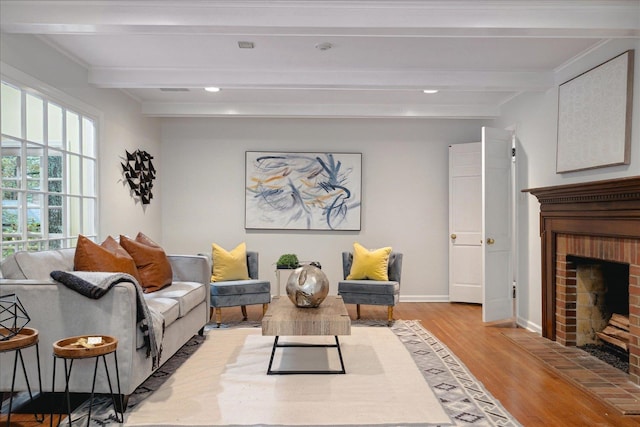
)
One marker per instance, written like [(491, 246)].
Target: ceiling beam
[(160, 109), (461, 80), (428, 18)]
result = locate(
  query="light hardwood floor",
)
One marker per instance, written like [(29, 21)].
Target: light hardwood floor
[(528, 389)]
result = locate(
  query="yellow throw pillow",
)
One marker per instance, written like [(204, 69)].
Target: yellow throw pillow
[(229, 265), (369, 265)]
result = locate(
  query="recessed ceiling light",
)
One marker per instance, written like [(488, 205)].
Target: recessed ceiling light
[(212, 89), (430, 91)]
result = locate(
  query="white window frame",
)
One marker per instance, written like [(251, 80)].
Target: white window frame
[(25, 240)]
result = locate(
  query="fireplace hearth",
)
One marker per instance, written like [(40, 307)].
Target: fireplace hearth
[(608, 354), (598, 221)]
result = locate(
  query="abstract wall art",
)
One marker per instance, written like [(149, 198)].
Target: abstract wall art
[(139, 173), (303, 191), (594, 116)]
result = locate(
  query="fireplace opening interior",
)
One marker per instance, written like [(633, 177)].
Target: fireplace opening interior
[(602, 309)]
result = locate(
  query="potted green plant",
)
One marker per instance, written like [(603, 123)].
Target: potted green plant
[(287, 261)]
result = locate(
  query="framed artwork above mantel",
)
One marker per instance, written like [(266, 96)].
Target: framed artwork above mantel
[(303, 191), (594, 116)]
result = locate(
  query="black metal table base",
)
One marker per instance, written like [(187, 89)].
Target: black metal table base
[(67, 374), (18, 353), (312, 372)]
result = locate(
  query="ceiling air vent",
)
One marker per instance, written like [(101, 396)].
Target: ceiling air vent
[(174, 89)]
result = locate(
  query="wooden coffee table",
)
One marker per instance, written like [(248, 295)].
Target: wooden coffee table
[(285, 318)]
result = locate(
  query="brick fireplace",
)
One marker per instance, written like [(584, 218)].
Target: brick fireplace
[(606, 249), (596, 221)]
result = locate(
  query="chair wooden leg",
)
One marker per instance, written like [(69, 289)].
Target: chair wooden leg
[(211, 311), (244, 312), (264, 308), (218, 316), (389, 315), (357, 311)]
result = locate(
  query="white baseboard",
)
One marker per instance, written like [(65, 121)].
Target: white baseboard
[(524, 323)]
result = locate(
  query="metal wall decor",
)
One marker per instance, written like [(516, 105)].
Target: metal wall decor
[(139, 173)]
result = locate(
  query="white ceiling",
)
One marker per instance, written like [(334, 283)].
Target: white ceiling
[(478, 53)]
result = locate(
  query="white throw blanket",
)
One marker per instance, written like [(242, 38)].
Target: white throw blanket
[(94, 285)]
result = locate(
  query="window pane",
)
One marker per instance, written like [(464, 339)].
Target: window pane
[(55, 244), (10, 220), (34, 222), (35, 161), (74, 216), (89, 213), (89, 177), (55, 169), (35, 246), (8, 249), (88, 138), (55, 201), (11, 168), (73, 173), (10, 197), (35, 119), (54, 121), (55, 221), (11, 107), (73, 132)]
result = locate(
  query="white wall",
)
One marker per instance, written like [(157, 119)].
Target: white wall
[(404, 202), (535, 118), (198, 196), (123, 128)]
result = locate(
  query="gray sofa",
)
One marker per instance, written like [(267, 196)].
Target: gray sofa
[(58, 312)]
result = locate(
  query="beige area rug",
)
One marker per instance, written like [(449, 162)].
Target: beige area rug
[(225, 383)]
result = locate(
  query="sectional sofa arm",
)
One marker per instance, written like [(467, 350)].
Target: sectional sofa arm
[(58, 312), (190, 268), (44, 301)]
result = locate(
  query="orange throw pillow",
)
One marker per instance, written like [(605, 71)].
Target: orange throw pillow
[(153, 265), (109, 257)]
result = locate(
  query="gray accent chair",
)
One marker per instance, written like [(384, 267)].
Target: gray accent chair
[(372, 292), (233, 293)]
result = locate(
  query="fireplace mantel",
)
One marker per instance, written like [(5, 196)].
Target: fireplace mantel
[(609, 208)]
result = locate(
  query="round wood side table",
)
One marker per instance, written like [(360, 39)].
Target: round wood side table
[(69, 349), (27, 337)]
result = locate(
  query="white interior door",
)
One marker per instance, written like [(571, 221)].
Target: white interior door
[(465, 223), (497, 225)]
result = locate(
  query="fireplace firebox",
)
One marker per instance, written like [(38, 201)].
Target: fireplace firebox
[(596, 221)]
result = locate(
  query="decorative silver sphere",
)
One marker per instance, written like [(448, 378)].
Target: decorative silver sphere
[(307, 286)]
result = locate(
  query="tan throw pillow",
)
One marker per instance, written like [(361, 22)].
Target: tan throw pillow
[(369, 265), (229, 265), (153, 265), (109, 257)]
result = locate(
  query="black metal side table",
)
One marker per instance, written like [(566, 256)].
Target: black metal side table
[(81, 347), (27, 337)]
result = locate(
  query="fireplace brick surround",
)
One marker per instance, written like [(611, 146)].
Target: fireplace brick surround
[(596, 220), (600, 248)]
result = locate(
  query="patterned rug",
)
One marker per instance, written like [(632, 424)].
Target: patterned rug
[(462, 396)]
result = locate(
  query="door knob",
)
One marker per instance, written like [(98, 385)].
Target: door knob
[(490, 241), (453, 236)]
